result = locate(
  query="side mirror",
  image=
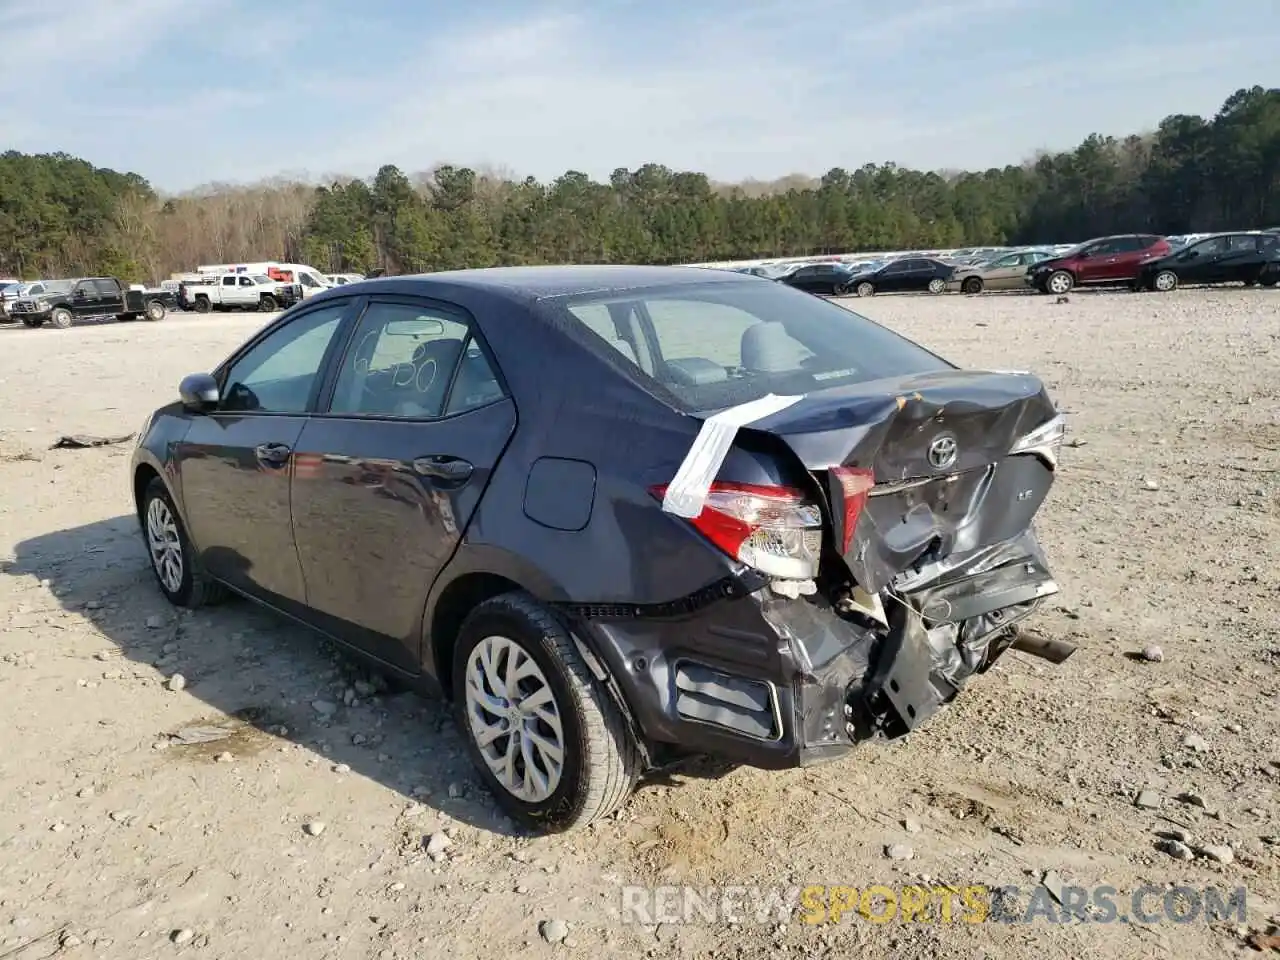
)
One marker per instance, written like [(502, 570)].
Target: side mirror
[(199, 392)]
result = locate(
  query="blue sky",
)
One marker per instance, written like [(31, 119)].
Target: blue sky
[(187, 92)]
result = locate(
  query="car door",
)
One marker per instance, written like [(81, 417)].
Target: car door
[(1126, 262), (1004, 273), (1202, 262), (916, 274), (891, 278), (1092, 262), (110, 296), (802, 279), (234, 463), (389, 475), (1241, 262), (85, 300)]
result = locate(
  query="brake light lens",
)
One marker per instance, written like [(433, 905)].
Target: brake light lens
[(1044, 441), (855, 485), (776, 530)]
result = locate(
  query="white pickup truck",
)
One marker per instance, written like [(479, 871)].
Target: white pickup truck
[(236, 291)]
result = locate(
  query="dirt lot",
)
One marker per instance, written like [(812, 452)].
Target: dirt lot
[(116, 840)]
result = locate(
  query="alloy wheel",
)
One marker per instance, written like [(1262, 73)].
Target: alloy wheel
[(164, 544), (1165, 281), (514, 719), (1059, 283)]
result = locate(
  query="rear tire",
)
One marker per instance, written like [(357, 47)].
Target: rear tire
[(599, 761), (61, 318), (972, 285), (866, 289), (187, 585), (1059, 282), (155, 311)]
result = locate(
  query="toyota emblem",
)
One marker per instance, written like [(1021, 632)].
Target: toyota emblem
[(942, 452)]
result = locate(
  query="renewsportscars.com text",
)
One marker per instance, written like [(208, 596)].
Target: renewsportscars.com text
[(816, 904)]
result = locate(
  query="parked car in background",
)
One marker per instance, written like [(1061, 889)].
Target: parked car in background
[(14, 290), (339, 279), (1007, 272), (829, 278), (906, 275), (237, 291), (311, 280), (1248, 258), (1099, 262), (598, 588), (62, 302)]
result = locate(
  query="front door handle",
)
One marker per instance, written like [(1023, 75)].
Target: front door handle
[(275, 454), (446, 470)]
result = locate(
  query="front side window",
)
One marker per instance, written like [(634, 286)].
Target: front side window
[(1209, 248), (279, 373), (402, 362), (720, 344)]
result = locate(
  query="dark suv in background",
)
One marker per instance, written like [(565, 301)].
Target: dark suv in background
[(1102, 261)]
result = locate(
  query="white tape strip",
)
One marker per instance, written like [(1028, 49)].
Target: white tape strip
[(688, 490)]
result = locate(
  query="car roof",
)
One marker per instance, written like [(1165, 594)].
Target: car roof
[(541, 282)]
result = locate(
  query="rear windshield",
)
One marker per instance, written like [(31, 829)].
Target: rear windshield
[(717, 345)]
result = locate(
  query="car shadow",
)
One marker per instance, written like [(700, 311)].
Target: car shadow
[(268, 682)]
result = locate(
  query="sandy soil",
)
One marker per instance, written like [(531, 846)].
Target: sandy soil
[(116, 840)]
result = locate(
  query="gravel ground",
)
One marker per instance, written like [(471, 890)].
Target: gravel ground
[(303, 830)]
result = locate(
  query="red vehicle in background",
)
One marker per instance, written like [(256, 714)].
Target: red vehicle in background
[(1100, 262)]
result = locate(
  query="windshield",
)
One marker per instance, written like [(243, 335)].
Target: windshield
[(716, 345), (261, 278)]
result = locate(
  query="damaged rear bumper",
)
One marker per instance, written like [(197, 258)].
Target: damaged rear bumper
[(773, 682)]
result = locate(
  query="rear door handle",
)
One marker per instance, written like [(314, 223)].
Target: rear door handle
[(276, 454), (445, 470)]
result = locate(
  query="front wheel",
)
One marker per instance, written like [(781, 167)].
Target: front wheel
[(937, 285), (61, 318), (181, 576), (546, 738), (268, 304), (203, 305), (1059, 282), (865, 289), (972, 285), (1166, 281)]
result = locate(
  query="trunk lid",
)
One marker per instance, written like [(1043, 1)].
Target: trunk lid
[(917, 469)]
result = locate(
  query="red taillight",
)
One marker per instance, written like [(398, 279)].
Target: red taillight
[(776, 530), (855, 483)]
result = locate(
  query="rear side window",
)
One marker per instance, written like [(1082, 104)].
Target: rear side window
[(715, 345), (1242, 243), (402, 363)]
